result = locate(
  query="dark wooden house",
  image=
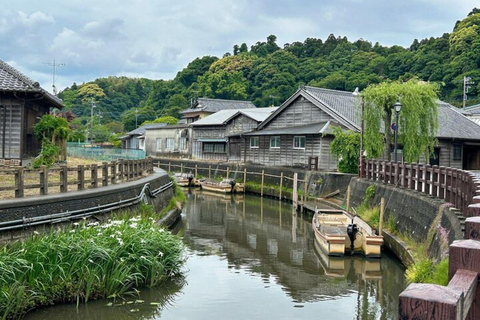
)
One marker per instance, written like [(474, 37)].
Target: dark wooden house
[(22, 103), (299, 133), (217, 137)]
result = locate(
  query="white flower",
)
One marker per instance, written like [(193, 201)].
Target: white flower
[(92, 224), (36, 232), (120, 241), (160, 253), (90, 260), (134, 225), (75, 224)]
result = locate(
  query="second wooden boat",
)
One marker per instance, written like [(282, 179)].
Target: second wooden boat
[(338, 233), (224, 186)]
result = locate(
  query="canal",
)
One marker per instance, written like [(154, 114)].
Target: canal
[(253, 258)]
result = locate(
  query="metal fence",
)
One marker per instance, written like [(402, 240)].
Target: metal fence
[(103, 154)]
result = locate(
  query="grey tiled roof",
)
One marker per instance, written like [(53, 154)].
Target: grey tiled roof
[(314, 128), (343, 103), (12, 80), (141, 130), (223, 116), (452, 124), (169, 126), (475, 109), (214, 105)]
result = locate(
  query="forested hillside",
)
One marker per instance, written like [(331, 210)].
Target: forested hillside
[(268, 74)]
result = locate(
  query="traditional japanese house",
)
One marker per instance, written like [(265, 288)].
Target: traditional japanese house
[(204, 107), (22, 103), (135, 139), (217, 137), (172, 141), (299, 133)]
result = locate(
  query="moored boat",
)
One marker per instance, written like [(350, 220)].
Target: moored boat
[(337, 233), (184, 179), (224, 186)]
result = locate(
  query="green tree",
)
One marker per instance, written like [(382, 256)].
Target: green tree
[(53, 132), (346, 147), (167, 120), (418, 118)]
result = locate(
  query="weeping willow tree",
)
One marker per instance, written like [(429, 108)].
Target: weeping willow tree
[(418, 121)]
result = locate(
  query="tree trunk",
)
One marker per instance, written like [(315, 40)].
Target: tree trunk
[(388, 135)]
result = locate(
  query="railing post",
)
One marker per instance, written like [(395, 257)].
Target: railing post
[(244, 180), (121, 168), (442, 182), (181, 167), (209, 172), (105, 174), (413, 173), (43, 180), (63, 179), (435, 181), (169, 167), (385, 176), (19, 183), (404, 175), (228, 172), (94, 176), (263, 180), (420, 170), (113, 172), (196, 171), (81, 177), (374, 170), (281, 185), (428, 176)]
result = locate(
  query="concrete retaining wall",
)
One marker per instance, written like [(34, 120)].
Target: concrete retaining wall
[(57, 203), (421, 217)]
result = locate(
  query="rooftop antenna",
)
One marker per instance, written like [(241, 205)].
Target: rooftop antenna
[(54, 66)]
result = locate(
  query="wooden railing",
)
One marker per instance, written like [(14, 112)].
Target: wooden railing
[(452, 185), (299, 186), (20, 182), (461, 298)]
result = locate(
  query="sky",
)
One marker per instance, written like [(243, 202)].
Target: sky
[(155, 39)]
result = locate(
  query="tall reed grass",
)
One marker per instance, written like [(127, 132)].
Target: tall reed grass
[(89, 261)]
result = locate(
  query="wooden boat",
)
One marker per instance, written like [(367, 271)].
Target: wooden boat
[(334, 230), (224, 186), (184, 179)]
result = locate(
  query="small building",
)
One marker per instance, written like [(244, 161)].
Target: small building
[(171, 141), (217, 137), (22, 103), (299, 133), (205, 106), (472, 113), (135, 139)]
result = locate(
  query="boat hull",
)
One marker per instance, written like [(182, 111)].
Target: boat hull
[(331, 236)]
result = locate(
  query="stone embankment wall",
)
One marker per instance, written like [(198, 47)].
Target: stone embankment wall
[(113, 198), (319, 183), (421, 217)]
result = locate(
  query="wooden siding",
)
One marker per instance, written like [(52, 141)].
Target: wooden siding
[(299, 112), (197, 153), (208, 132), (10, 129), (240, 124), (286, 155)]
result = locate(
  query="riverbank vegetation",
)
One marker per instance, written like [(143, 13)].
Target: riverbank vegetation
[(85, 262), (423, 270)]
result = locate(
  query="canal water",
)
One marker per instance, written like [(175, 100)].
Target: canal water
[(254, 258)]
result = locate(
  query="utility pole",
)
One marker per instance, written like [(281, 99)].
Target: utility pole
[(467, 81), (99, 116), (91, 121), (54, 66), (136, 118)]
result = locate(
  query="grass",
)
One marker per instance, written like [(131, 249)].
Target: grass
[(86, 262)]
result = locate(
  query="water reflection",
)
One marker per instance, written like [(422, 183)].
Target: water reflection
[(255, 258)]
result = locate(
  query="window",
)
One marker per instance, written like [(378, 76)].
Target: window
[(457, 152), (275, 142), (254, 142), (170, 145), (159, 144), (298, 142), (211, 147), (182, 142)]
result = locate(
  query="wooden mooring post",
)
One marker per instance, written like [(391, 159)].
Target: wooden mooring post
[(281, 186), (461, 298), (244, 180), (295, 190), (263, 180)]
